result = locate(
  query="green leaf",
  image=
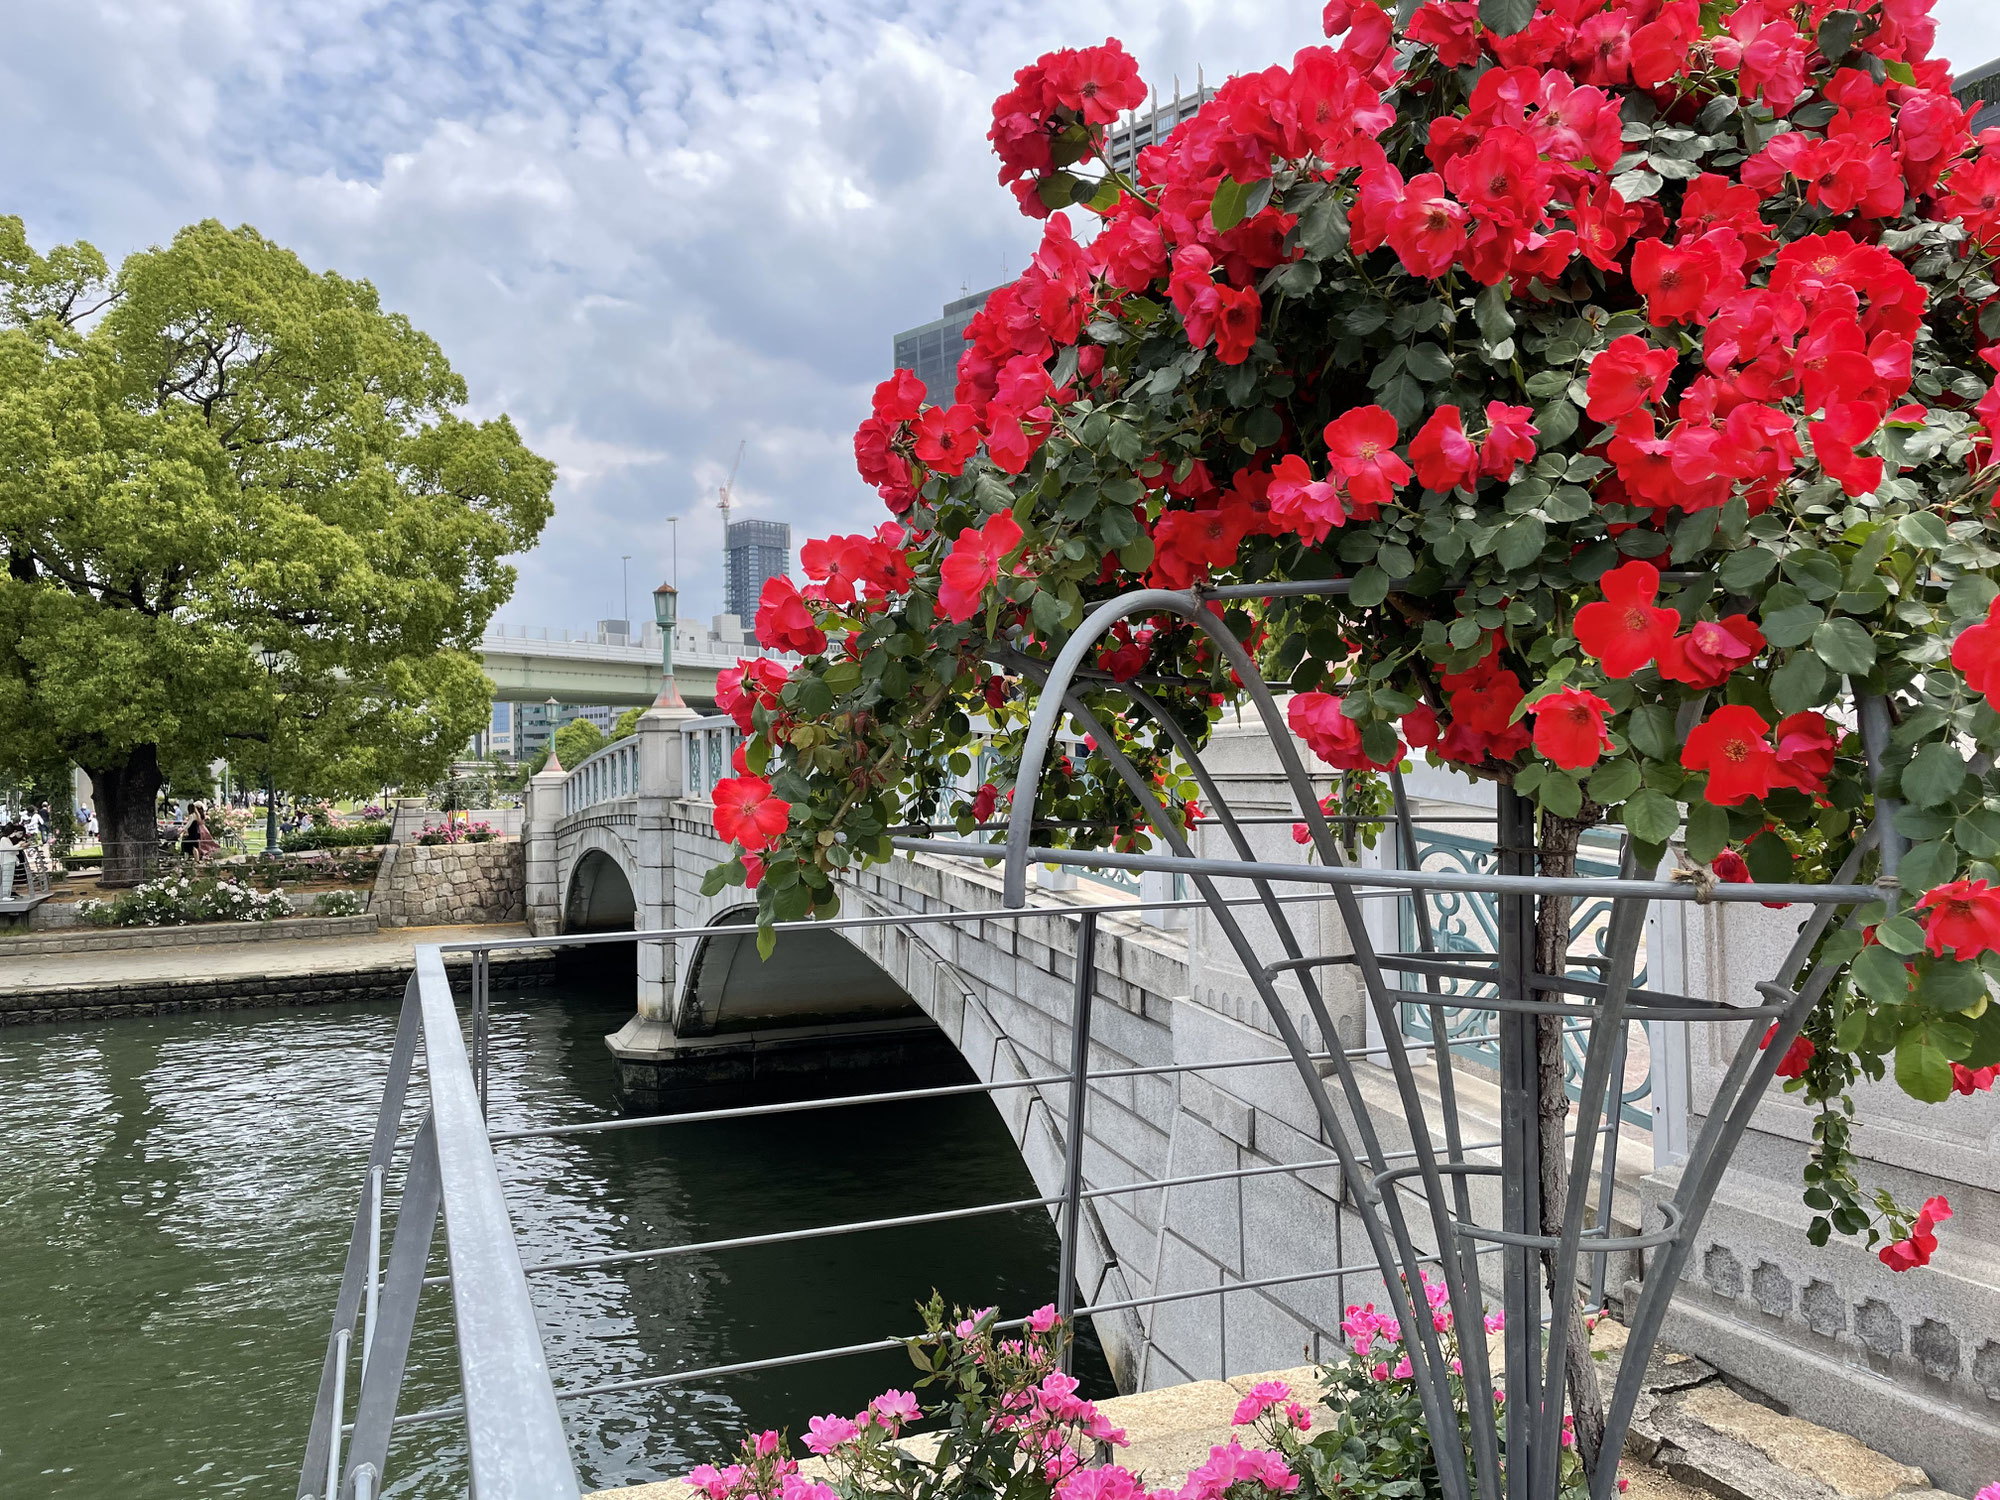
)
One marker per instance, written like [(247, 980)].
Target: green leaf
[(1971, 595), (844, 676), (1923, 1071), (1505, 17), (1560, 795), (1922, 529), (1881, 976), (1836, 34), (1793, 626), (1613, 782), (1370, 587), (1769, 859), (1520, 544), (1934, 776), (1489, 311), (1742, 571), (1652, 816), (1928, 865), (1429, 363), (1945, 984), (767, 940), (1798, 684), (1232, 199), (1379, 741), (1555, 423), (1844, 646), (1651, 730), (1817, 574), (1900, 935), (1707, 831)]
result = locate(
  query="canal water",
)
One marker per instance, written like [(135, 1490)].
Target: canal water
[(176, 1195)]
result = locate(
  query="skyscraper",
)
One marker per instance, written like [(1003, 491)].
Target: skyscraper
[(932, 350), (755, 551)]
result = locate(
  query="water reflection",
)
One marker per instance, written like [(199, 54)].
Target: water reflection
[(175, 1205)]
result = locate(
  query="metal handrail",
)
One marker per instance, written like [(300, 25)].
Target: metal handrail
[(509, 1408)]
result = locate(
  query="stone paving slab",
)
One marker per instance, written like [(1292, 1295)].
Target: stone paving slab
[(384, 949)]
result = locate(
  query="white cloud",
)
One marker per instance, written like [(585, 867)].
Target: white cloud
[(649, 231)]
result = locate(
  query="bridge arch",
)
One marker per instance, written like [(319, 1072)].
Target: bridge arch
[(601, 893), (810, 979)]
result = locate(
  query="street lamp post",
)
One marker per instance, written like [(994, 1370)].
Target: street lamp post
[(625, 596), (666, 610), (270, 787)]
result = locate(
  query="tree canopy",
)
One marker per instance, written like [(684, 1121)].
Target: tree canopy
[(217, 453)]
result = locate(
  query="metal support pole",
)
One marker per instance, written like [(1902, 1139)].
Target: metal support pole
[(340, 1343), (482, 1028), (1079, 1090), (374, 1266), (1520, 1139), (382, 1382)]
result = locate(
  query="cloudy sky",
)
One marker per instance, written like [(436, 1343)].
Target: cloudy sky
[(649, 230)]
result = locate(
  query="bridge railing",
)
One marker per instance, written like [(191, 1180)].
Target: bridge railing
[(603, 776), (510, 1404), (708, 747)]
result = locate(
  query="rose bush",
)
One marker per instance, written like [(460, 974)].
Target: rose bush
[(1010, 1421), (1628, 361)]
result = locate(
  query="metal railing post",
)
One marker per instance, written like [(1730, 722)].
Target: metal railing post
[(374, 1267), (1079, 1090), (382, 1376), (482, 1024), (1520, 1133), (340, 1346)]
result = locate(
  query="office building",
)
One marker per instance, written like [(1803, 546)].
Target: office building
[(1980, 87), (932, 350), (755, 552), (1143, 128)]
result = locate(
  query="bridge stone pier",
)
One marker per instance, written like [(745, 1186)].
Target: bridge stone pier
[(624, 839)]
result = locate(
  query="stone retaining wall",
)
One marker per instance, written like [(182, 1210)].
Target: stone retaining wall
[(429, 885), (161, 997), (80, 939)]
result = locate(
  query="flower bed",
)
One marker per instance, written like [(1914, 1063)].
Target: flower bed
[(178, 900), (348, 836), (458, 833), (1012, 1423)]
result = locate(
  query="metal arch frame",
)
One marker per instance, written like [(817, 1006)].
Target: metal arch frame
[(1535, 1386)]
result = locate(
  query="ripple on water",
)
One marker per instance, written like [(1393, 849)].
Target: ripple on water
[(177, 1197)]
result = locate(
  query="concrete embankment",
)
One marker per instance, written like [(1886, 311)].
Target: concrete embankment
[(74, 977)]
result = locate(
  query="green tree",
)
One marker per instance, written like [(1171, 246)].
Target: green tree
[(217, 454), (577, 739)]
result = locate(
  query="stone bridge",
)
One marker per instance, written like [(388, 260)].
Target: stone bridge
[(624, 839)]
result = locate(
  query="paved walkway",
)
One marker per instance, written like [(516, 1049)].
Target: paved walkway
[(392, 948)]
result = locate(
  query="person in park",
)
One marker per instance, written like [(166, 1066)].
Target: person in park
[(1632, 363)]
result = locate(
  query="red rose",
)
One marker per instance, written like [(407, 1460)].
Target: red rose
[(746, 813), (1361, 446), (1628, 375), (784, 623), (1730, 746), (974, 564), (1976, 654), (1510, 439), (1711, 650), (1806, 744), (1332, 736), (1964, 919), (1426, 228), (1624, 630), (1917, 1250), (1444, 456), (1798, 1057), (1569, 727)]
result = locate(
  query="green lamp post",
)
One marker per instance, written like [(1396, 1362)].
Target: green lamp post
[(666, 599)]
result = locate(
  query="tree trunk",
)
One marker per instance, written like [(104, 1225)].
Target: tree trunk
[(128, 799), (1559, 841)]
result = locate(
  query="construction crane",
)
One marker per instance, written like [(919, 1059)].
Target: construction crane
[(729, 498)]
